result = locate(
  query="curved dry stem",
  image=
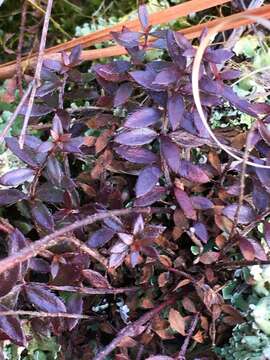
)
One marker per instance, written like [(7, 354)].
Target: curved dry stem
[(196, 76)]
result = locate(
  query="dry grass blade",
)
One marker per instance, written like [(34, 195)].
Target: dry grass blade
[(37, 72)]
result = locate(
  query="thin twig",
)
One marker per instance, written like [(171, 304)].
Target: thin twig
[(241, 263), (19, 48), (43, 314), (93, 291), (182, 353), (232, 239), (242, 180), (88, 250), (34, 248), (132, 329), (36, 83)]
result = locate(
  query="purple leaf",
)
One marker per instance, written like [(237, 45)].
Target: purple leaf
[(182, 41), (230, 74), (73, 145), (8, 280), (147, 179), (185, 203), (74, 305), (192, 172), (144, 78), (210, 86), (114, 223), (114, 71), (126, 38), (26, 154), (260, 197), (53, 65), (246, 248), (116, 260), (40, 265), (150, 251), (175, 108), (201, 203), (54, 170), (138, 225), (11, 328), (100, 237), (201, 232), (258, 250), (43, 299), (246, 213), (45, 147), (170, 152), (48, 193), (37, 110), (167, 77), (152, 231), (11, 196), (143, 17), (57, 126), (264, 177), (136, 155), (136, 137), (176, 53), (32, 142), (261, 108), (17, 177), (151, 197), (42, 216), (264, 129), (122, 94), (46, 89), (75, 55), (239, 103), (143, 117), (118, 248), (218, 56)]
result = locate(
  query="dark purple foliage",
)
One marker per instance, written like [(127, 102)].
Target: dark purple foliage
[(138, 142)]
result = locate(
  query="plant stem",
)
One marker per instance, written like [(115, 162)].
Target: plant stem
[(36, 82)]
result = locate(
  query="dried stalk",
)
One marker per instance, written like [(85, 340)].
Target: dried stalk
[(43, 314), (93, 291), (36, 83), (34, 248), (182, 353)]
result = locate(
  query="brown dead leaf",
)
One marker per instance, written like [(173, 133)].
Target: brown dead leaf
[(189, 305), (103, 140), (214, 161), (177, 321), (182, 283), (198, 337), (95, 279), (165, 261), (163, 279)]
